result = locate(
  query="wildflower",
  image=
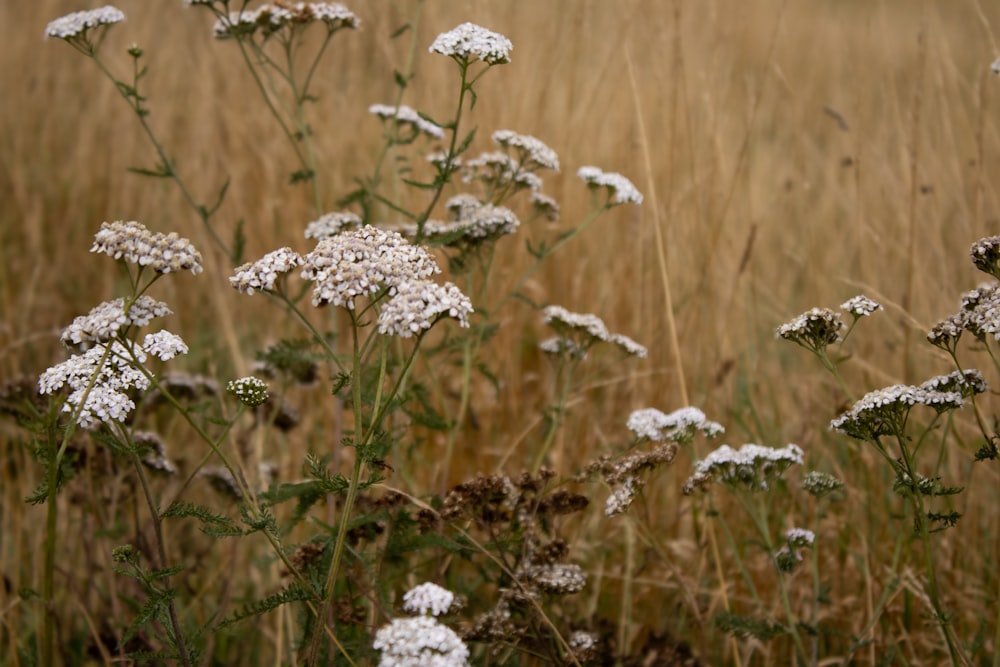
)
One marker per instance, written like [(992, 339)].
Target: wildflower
[(946, 333), (532, 153), (132, 242), (99, 379), (418, 304), (584, 646), (986, 255), (104, 321), (587, 325), (271, 18), (621, 498), (884, 411), (751, 466), (558, 346), (331, 224), (404, 115), (440, 160), (620, 189), (628, 346), (493, 168), (237, 24), (249, 390), (428, 598), (860, 306), (558, 578), (262, 274), (469, 42), (74, 27), (419, 642), (362, 262), (819, 484), (476, 224), (164, 345), (545, 206), (800, 537), (966, 383), (679, 426), (814, 330), (981, 311)]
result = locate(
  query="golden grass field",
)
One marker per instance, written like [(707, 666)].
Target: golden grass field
[(792, 154)]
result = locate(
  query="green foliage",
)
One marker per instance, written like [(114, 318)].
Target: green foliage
[(288, 594)]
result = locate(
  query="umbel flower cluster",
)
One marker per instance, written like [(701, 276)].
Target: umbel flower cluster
[(577, 333), (470, 42), (818, 328), (268, 19), (422, 641), (75, 26), (884, 412), (109, 367), (751, 467)]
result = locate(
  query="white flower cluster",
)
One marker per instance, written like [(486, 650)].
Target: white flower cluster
[(986, 255), (800, 537), (967, 383), (558, 578), (586, 330), (814, 329), (621, 498), (620, 189), (884, 411), (474, 223), (404, 115), (262, 274), (428, 598), (470, 42), (679, 426), (751, 466), (113, 375), (134, 243), (362, 262), (532, 152), (250, 391), (331, 224), (860, 306), (104, 321), (270, 18), (164, 345), (417, 304), (420, 642), (77, 24)]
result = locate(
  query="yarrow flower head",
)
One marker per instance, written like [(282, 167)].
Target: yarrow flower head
[(404, 115), (134, 243), (986, 255), (100, 380), (752, 467), (860, 306), (819, 484), (469, 42), (104, 322), (418, 304), (981, 311), (621, 498), (264, 273), (269, 19), (164, 345), (475, 223), (679, 426), (420, 642), (788, 556), (73, 27), (585, 331), (967, 383), (531, 152), (428, 598), (331, 224), (884, 411), (361, 263), (814, 330), (620, 189), (249, 390), (545, 206), (946, 333)]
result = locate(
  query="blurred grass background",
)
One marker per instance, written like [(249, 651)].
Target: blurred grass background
[(800, 152)]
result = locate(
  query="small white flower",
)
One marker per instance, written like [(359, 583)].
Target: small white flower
[(164, 345), (420, 642), (428, 598), (249, 390), (800, 537), (621, 498), (860, 306), (133, 243), (77, 24), (532, 152), (104, 321), (262, 274), (331, 224), (404, 115), (471, 42), (417, 305), (620, 189)]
